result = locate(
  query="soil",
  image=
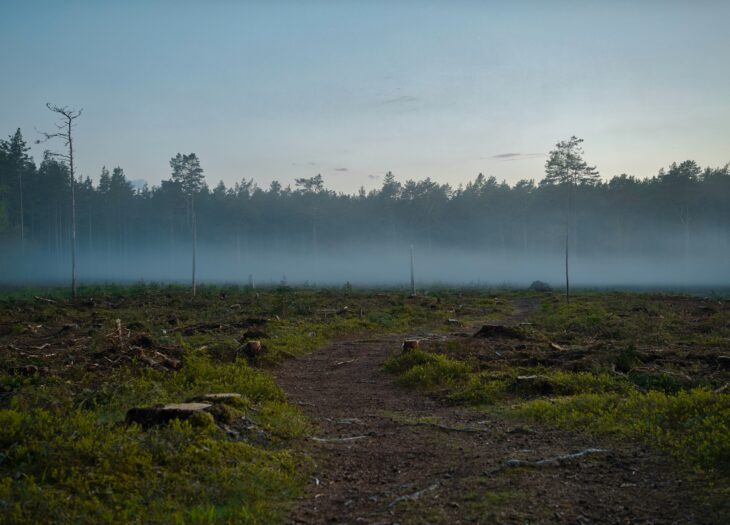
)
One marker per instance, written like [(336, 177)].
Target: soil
[(385, 454)]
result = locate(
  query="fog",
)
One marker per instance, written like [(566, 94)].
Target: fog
[(373, 264), (670, 230)]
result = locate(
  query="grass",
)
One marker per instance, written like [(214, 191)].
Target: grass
[(694, 425), (67, 455), (645, 367)]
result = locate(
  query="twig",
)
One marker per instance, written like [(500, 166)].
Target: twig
[(549, 462), (438, 426), (414, 496), (337, 440), (120, 333), (340, 363), (344, 421)]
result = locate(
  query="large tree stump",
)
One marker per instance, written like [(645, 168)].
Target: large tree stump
[(147, 417)]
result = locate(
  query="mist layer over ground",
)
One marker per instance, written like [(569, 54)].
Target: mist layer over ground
[(670, 230), (373, 264)]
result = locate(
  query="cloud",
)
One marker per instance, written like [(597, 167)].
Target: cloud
[(401, 99), (399, 104), (517, 156), (374, 177), (310, 163), (340, 169)]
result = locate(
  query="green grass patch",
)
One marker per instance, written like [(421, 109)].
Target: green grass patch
[(693, 425), (427, 370), (463, 382), (68, 455)]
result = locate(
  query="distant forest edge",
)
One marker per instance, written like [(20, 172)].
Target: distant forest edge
[(679, 217)]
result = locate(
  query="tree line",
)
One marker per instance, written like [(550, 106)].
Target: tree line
[(671, 212)]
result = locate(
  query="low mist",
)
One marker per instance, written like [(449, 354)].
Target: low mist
[(375, 264)]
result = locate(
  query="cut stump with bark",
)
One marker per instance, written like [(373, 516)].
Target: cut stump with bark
[(147, 417)]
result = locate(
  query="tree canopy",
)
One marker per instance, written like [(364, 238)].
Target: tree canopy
[(670, 212)]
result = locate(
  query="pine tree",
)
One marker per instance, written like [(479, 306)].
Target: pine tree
[(17, 165), (565, 167), (187, 173)]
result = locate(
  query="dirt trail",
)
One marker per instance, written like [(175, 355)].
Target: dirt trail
[(379, 461)]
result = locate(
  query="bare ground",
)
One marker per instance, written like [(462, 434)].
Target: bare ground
[(384, 454)]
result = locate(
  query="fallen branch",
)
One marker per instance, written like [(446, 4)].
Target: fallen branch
[(414, 496), (438, 426), (337, 440), (647, 370), (340, 363), (344, 421), (549, 462), (50, 301)]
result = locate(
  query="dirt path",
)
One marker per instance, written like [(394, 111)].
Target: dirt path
[(379, 460)]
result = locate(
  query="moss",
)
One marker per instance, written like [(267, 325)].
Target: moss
[(202, 420), (224, 413)]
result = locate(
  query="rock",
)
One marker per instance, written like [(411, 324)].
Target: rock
[(411, 344), (161, 415), (539, 286), (499, 331)]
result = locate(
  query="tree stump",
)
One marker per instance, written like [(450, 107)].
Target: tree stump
[(410, 344), (499, 331), (160, 415), (252, 349)]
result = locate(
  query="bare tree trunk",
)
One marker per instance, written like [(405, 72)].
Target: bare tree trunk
[(315, 242), (684, 219), (69, 116), (73, 211), (524, 235), (567, 240), (22, 220), (195, 238), (413, 279)]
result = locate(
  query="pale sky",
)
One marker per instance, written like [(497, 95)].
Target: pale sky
[(277, 90)]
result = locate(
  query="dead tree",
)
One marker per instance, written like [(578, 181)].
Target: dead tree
[(64, 128), (413, 278)]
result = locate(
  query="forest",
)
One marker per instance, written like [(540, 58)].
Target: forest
[(678, 216)]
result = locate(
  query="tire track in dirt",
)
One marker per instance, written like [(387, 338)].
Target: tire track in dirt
[(379, 460)]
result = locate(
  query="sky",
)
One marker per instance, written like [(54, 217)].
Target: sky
[(352, 89)]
